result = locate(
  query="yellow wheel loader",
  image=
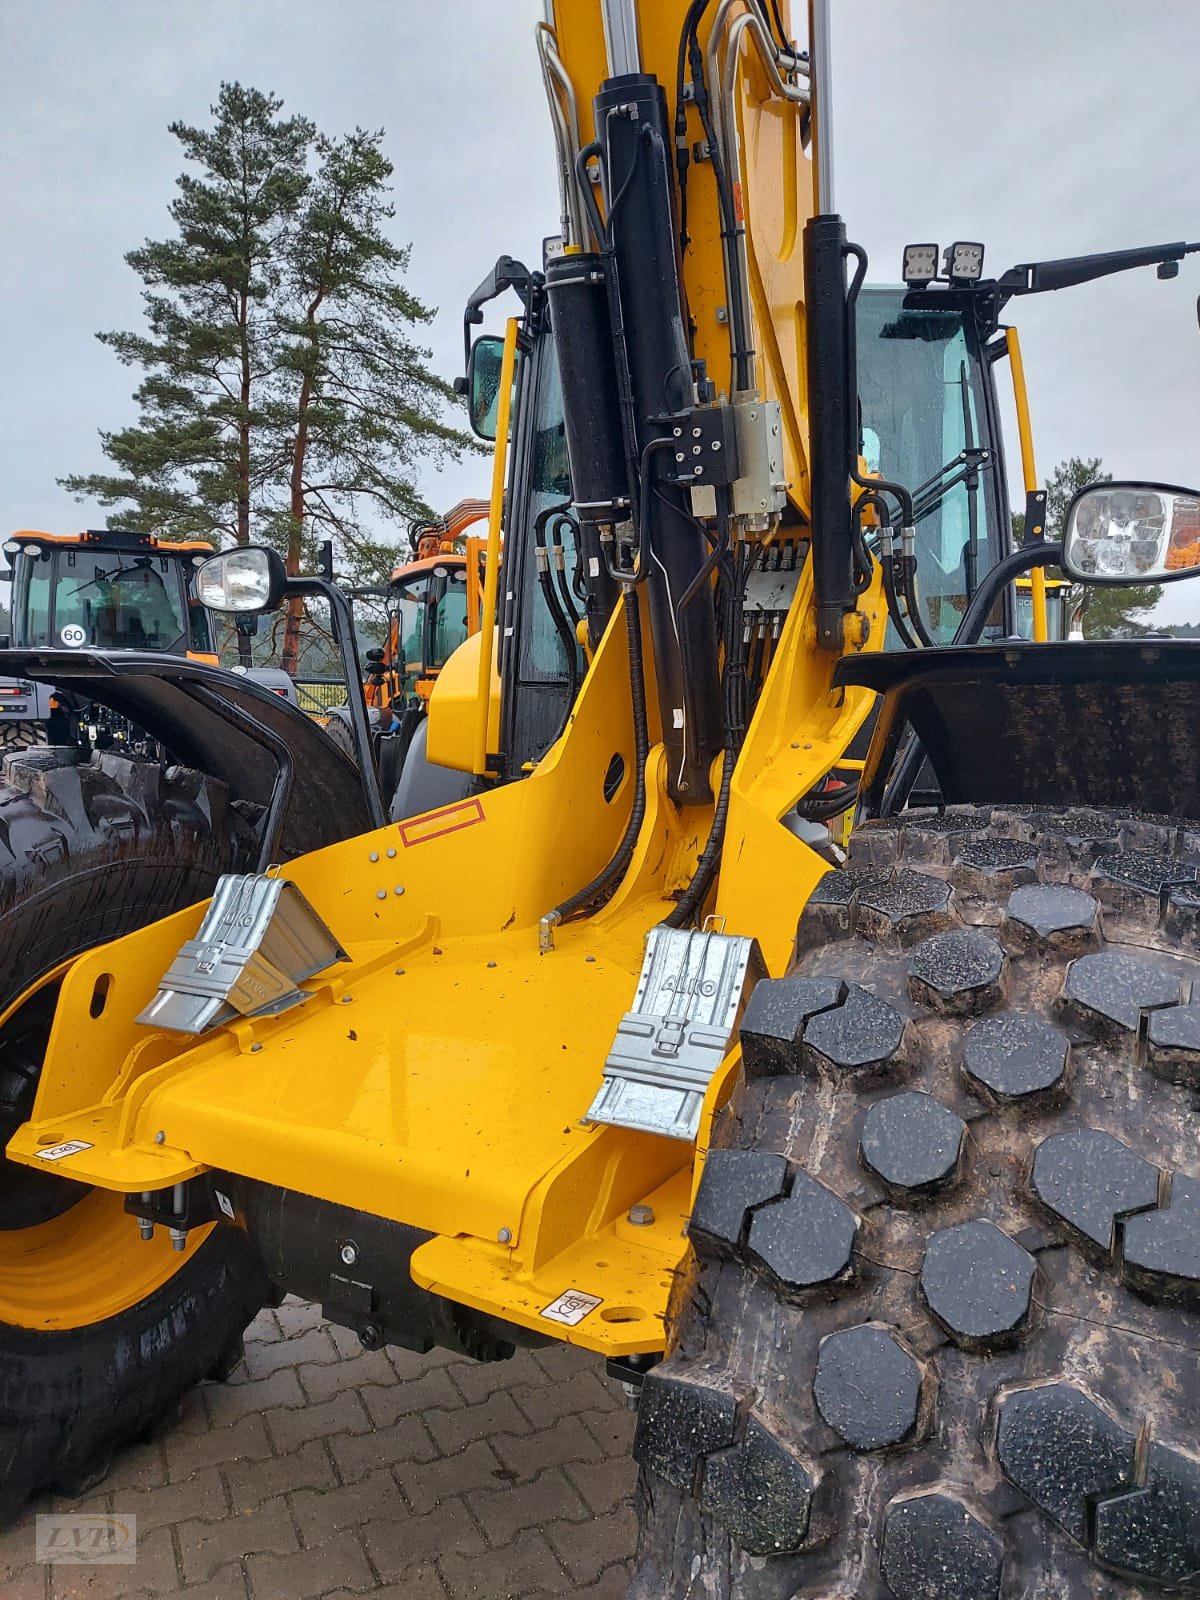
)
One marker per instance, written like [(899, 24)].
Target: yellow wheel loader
[(878, 1181)]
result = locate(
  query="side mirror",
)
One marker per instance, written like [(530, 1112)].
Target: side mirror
[(483, 384), (252, 578), (1132, 533)]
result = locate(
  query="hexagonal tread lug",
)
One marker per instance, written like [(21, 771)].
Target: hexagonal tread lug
[(986, 865), (829, 911), (679, 1422), (806, 1239), (1161, 1249), (1141, 880), (868, 1386), (907, 906), (1062, 1450), (773, 1021), (1014, 1056), (934, 1548), (864, 1035), (978, 1282), (732, 1184), (912, 1142), (1173, 1044), (1088, 1180), (761, 1492), (1154, 1531), (958, 973), (1052, 916), (1110, 989)]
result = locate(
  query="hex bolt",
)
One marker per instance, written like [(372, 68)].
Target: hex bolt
[(255, 1048), (349, 1253), (505, 1236), (369, 1336), (641, 1216), (347, 999)]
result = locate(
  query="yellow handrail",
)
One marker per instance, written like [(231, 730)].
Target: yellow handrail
[(491, 575), (1029, 474)]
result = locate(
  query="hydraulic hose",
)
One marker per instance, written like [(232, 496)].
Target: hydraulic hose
[(604, 885), (562, 627), (559, 558)]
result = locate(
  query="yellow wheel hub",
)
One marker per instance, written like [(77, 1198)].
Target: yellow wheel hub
[(85, 1265)]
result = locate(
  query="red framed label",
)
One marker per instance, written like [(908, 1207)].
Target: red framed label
[(420, 830)]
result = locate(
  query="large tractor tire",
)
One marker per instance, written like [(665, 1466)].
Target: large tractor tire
[(100, 1333), (941, 1340), (21, 736)]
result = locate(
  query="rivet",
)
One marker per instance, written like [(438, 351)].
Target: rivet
[(399, 889), (347, 999), (491, 963), (374, 856), (391, 851), (381, 894), (255, 1048), (160, 1137), (589, 958), (400, 972), (505, 1236)]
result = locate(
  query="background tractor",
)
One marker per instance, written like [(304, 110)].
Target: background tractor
[(879, 1181)]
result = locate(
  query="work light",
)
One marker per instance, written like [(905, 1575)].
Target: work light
[(964, 262), (920, 264)]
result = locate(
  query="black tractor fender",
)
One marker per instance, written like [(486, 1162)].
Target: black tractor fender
[(258, 743), (1113, 723)]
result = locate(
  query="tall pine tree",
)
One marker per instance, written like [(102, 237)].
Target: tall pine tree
[(199, 461), (285, 397)]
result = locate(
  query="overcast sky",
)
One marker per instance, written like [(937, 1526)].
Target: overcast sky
[(1043, 127)]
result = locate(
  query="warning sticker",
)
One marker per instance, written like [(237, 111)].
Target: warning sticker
[(571, 1307), (58, 1152), (225, 1203)]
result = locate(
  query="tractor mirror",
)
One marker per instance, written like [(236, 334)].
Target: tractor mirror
[(483, 384), (250, 579), (1132, 533)]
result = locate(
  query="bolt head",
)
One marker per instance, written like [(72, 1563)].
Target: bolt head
[(349, 1253), (505, 1236), (641, 1216)]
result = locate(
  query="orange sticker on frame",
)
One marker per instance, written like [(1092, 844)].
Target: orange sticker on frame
[(420, 830)]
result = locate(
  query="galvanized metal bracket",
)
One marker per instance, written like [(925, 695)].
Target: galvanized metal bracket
[(690, 992), (260, 939)]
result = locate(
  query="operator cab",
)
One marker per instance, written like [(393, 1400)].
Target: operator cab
[(106, 590)]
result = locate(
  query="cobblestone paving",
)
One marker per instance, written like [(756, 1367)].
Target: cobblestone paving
[(321, 1471)]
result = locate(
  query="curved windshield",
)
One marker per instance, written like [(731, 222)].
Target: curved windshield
[(91, 600), (920, 389)]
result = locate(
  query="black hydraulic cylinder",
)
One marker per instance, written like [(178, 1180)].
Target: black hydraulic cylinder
[(632, 126), (583, 343), (832, 423)]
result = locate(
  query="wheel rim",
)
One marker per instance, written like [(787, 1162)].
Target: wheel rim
[(69, 1256)]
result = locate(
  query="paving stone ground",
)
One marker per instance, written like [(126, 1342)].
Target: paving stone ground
[(321, 1471)]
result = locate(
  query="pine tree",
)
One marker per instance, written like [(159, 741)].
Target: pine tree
[(195, 465), (285, 398)]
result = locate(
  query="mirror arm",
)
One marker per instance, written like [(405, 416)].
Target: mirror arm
[(974, 618), (1039, 277), (341, 617)]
